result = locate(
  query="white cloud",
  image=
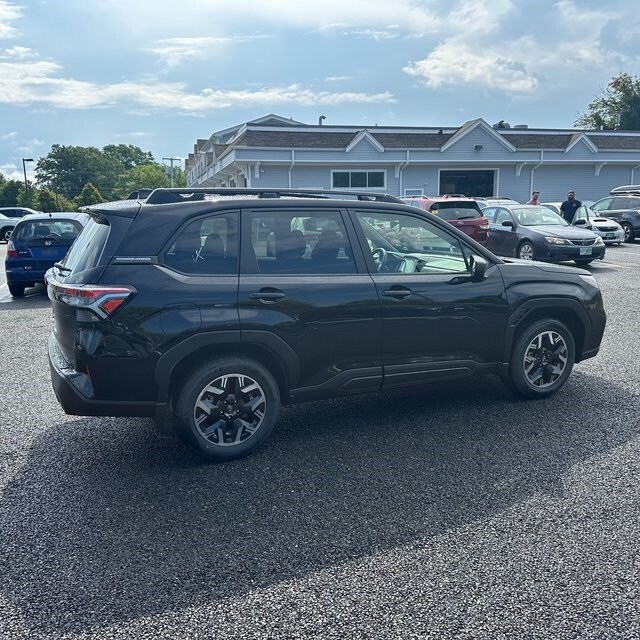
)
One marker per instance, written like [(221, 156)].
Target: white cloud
[(454, 63), (566, 40), (337, 78), (175, 51), (9, 12), (36, 82)]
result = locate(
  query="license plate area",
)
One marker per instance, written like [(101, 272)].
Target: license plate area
[(585, 251), (609, 236)]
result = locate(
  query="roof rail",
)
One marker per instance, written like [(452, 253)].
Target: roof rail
[(185, 194)]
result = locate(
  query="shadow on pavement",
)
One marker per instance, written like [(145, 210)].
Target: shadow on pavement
[(108, 521)]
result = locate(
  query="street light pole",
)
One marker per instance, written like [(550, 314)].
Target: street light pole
[(171, 174), (24, 171)]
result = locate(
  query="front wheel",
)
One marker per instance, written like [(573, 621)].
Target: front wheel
[(542, 359), (227, 407), (5, 234), (629, 235), (525, 251)]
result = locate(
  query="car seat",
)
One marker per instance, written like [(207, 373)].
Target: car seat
[(325, 253), (290, 249)]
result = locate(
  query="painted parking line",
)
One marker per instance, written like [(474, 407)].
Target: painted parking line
[(5, 296)]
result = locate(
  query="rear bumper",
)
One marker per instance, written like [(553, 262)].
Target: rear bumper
[(74, 392), (21, 275)]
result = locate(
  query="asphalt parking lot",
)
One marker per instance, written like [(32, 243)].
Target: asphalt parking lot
[(446, 512)]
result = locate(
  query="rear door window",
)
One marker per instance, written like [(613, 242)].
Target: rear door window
[(206, 246), (86, 250)]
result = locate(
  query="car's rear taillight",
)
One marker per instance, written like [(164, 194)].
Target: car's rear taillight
[(11, 250), (102, 300), (484, 223)]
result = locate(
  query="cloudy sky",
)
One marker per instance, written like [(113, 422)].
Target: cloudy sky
[(159, 74)]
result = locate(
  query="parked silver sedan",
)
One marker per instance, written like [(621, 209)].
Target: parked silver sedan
[(609, 230)]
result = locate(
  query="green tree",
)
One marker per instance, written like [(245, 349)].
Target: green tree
[(88, 195), (48, 201), (27, 197), (150, 176), (128, 155), (66, 169), (621, 99), (9, 193)]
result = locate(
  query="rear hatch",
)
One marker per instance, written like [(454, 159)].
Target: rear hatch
[(38, 244), (72, 284), (465, 216)]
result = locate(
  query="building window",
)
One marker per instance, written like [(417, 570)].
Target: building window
[(358, 179)]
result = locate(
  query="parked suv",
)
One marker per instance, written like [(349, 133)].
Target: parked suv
[(460, 211), (173, 308), (624, 208)]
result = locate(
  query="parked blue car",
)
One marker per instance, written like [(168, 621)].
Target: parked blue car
[(37, 242)]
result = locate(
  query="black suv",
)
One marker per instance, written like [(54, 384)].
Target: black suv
[(623, 206), (175, 308)]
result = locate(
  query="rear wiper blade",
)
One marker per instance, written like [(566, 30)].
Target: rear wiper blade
[(62, 267)]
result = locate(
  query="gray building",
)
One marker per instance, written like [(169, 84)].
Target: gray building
[(475, 159)]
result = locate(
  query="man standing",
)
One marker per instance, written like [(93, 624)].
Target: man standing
[(569, 206), (535, 198)]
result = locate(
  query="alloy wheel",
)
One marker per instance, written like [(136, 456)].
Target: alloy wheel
[(526, 252), (230, 410), (545, 359)]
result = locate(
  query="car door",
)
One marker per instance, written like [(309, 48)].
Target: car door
[(312, 301), (504, 238), (436, 322)]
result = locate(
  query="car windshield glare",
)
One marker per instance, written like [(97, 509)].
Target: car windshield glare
[(532, 216)]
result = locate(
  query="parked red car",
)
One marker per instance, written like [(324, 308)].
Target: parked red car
[(463, 213)]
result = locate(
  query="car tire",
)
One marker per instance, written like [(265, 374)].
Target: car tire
[(629, 235), (542, 359), (5, 234), (227, 408), (16, 290), (525, 249)]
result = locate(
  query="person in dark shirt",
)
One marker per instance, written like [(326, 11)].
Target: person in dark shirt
[(569, 207)]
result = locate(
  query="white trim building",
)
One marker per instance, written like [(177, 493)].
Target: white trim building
[(476, 159)]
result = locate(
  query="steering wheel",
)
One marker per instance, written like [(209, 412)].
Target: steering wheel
[(380, 256)]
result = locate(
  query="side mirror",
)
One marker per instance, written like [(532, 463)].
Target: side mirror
[(508, 223), (582, 221), (479, 268)]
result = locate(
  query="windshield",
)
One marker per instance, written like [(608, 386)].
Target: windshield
[(85, 253), (532, 216)]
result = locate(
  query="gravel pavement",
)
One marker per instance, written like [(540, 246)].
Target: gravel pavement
[(454, 511)]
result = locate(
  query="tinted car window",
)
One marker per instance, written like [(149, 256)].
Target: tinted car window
[(206, 246), (625, 203), (452, 211), (309, 242), (531, 216), (86, 250), (40, 229)]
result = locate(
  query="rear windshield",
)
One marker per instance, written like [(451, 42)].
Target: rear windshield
[(36, 230), (85, 252), (457, 211)]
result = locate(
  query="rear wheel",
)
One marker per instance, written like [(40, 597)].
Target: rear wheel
[(629, 236), (542, 359), (227, 407), (525, 250), (17, 290)]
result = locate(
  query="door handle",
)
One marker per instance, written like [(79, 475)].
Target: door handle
[(267, 296), (397, 292)]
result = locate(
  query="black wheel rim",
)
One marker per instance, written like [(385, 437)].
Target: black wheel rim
[(545, 359), (230, 410)]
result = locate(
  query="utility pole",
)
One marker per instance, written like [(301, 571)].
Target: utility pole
[(171, 174), (24, 170)]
